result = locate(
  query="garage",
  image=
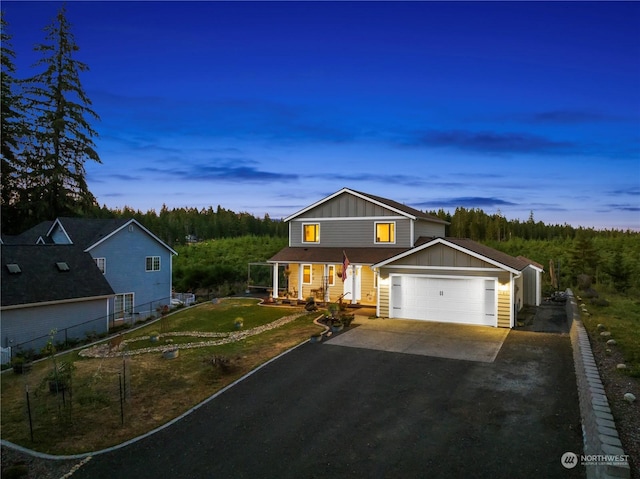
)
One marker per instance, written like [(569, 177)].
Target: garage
[(444, 299)]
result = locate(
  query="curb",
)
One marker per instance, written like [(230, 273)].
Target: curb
[(599, 432)]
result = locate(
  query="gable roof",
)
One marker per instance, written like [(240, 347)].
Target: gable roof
[(83, 232), (41, 280), (399, 208), (486, 253)]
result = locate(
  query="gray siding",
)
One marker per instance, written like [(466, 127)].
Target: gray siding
[(429, 229), (31, 326), (350, 233), (347, 206), (125, 254), (442, 255)]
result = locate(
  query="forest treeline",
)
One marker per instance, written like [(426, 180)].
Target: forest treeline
[(178, 226)]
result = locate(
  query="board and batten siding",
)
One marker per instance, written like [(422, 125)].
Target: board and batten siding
[(34, 324), (443, 256), (347, 206), (355, 233), (125, 254)]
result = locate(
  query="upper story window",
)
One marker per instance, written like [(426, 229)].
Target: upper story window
[(386, 232), (311, 233), (152, 263), (101, 263)]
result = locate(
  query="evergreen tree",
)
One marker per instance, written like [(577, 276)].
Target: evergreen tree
[(62, 136), (13, 129)]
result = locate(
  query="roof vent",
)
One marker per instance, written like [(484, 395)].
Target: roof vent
[(13, 268), (62, 266)]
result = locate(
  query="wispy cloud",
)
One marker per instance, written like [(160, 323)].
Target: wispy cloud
[(569, 116), (624, 207), (464, 201), (490, 142)]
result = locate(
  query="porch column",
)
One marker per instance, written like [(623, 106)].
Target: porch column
[(300, 273), (353, 269), (275, 280), (325, 282)]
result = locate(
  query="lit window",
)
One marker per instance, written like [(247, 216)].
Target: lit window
[(101, 263), (311, 233), (385, 232), (306, 273), (332, 275), (152, 263)]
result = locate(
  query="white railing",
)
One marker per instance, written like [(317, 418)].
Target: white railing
[(187, 298), (5, 355)]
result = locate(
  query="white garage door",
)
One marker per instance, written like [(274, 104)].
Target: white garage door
[(450, 300)]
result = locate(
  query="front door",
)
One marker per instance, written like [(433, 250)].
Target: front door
[(352, 286)]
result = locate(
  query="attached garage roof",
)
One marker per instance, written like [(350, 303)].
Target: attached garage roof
[(334, 255), (490, 254)]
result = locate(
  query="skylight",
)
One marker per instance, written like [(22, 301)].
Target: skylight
[(62, 266), (13, 268)]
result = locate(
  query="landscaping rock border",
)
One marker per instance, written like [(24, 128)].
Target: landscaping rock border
[(599, 431)]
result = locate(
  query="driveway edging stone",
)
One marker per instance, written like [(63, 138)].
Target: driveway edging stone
[(599, 432)]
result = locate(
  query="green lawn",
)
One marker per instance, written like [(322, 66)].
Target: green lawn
[(155, 389)]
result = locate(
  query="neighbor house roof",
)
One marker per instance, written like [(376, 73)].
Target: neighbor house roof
[(531, 263), (387, 203), (83, 232), (334, 255), (49, 273)]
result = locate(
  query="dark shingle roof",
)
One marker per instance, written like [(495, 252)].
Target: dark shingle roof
[(85, 232), (319, 254), (40, 280), (31, 235), (399, 206)]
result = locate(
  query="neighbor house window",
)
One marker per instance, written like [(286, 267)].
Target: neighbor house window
[(101, 263), (152, 263), (123, 306), (306, 274), (311, 233), (332, 275), (385, 232)]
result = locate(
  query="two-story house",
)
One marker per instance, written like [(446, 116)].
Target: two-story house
[(373, 251), (135, 263)]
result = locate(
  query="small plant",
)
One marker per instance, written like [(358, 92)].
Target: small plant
[(239, 323), (154, 336)]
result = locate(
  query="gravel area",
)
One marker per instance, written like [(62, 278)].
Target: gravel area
[(616, 384), (18, 465)]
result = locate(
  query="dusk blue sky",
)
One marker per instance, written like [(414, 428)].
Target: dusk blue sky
[(268, 107)]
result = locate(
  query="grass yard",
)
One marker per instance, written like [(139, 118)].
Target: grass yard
[(622, 319), (155, 389)]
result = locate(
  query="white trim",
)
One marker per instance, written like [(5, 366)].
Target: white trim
[(60, 301), (131, 221), (347, 190), (446, 243), (445, 268), (153, 263), (349, 218), (57, 221)]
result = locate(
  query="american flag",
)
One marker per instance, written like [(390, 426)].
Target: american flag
[(345, 266)]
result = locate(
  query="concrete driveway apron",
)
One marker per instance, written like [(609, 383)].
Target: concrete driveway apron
[(425, 338)]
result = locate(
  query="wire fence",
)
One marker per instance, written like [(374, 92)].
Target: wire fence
[(96, 328)]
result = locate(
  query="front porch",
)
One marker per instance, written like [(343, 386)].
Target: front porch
[(325, 283)]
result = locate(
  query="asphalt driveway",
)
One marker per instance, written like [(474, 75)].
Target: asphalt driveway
[(331, 411)]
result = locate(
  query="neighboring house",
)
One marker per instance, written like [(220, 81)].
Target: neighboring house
[(135, 262), (52, 287), (398, 259)]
